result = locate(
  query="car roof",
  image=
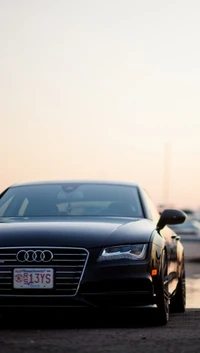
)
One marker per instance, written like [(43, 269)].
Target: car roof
[(79, 181)]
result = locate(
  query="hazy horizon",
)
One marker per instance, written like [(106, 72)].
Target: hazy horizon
[(102, 90)]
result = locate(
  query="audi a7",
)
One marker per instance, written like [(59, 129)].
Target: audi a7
[(89, 244)]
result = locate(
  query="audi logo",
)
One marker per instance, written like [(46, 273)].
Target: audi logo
[(34, 256)]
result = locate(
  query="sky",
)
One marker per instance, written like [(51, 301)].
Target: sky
[(102, 89)]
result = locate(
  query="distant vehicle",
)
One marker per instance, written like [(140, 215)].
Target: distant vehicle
[(90, 244), (189, 232), (189, 212)]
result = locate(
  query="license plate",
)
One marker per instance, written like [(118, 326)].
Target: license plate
[(33, 278)]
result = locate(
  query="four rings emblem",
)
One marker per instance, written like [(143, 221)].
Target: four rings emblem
[(34, 256)]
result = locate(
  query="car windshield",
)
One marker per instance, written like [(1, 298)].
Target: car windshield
[(71, 199)]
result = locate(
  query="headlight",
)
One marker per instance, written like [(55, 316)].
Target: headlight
[(129, 252)]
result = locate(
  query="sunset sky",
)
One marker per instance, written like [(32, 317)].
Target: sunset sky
[(102, 89)]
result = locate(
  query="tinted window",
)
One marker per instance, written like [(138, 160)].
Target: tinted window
[(153, 211), (71, 199)]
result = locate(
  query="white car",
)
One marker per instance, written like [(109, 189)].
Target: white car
[(189, 231)]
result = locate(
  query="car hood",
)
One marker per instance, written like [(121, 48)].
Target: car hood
[(79, 232)]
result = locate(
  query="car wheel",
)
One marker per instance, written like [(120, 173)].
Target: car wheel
[(178, 302), (162, 316)]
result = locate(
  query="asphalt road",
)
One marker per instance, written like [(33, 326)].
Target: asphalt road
[(30, 332)]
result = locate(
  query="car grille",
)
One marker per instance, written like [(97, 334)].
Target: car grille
[(68, 265)]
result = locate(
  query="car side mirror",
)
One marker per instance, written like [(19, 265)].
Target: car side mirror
[(171, 216)]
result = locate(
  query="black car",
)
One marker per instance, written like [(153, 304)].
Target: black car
[(90, 244)]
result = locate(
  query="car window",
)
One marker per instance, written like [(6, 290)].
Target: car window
[(151, 207), (23, 207), (71, 199), (5, 205)]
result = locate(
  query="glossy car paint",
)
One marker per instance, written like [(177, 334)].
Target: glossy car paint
[(116, 283)]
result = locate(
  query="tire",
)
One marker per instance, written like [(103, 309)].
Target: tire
[(178, 302), (162, 316)]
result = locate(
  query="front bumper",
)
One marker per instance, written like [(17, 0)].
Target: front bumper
[(103, 285), (118, 285)]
